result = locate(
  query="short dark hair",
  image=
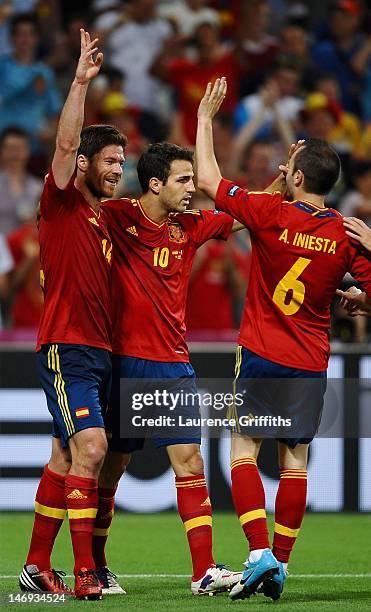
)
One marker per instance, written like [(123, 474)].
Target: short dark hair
[(14, 130), (95, 137), (320, 165), (156, 162), (17, 20)]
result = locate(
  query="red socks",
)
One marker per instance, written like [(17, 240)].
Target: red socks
[(82, 505), (195, 511), (249, 501), (106, 504), (50, 510), (289, 512)]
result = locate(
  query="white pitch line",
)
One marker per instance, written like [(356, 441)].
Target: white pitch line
[(187, 576)]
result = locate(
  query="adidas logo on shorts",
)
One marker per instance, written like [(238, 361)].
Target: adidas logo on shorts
[(76, 494)]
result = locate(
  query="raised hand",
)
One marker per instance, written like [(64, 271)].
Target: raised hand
[(284, 168), (358, 230), (88, 67), (213, 98)]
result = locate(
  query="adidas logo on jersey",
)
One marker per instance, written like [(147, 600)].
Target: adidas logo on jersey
[(207, 502), (76, 494), (132, 230), (94, 221)]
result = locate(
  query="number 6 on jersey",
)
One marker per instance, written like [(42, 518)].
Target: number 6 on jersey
[(290, 284)]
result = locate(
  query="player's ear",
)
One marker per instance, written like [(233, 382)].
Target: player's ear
[(299, 178), (82, 163), (155, 185)]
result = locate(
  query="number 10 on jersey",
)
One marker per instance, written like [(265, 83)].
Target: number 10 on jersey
[(161, 257)]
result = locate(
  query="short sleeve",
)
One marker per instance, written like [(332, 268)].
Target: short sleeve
[(203, 225), (253, 209), (54, 200)]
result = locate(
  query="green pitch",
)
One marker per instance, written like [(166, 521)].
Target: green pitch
[(151, 549)]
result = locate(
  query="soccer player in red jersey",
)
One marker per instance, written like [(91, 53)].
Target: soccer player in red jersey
[(300, 253), (355, 301), (74, 339), (155, 240)]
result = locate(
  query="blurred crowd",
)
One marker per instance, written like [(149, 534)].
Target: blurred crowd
[(294, 69)]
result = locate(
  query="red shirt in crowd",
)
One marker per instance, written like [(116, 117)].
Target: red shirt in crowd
[(211, 285), (190, 79), (28, 301)]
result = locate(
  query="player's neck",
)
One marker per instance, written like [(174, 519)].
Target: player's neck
[(153, 209), (91, 199), (313, 198)]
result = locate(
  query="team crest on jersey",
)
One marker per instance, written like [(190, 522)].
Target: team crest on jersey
[(176, 233)]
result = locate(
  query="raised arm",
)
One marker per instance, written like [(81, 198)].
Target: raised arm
[(208, 173), (72, 116)]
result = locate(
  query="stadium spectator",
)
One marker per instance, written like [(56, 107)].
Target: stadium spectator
[(20, 191), (275, 107), (323, 118), (65, 52), (256, 165), (187, 15), (116, 111), (26, 298), (6, 265), (28, 95), (189, 77), (361, 64), (335, 54), (105, 13), (295, 44), (259, 48), (357, 203), (132, 40), (348, 132), (219, 276)]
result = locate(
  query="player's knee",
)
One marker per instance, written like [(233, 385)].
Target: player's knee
[(93, 453), (194, 464)]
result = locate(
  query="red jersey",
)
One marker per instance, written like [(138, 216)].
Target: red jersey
[(75, 254), (150, 275), (300, 253), (28, 301)]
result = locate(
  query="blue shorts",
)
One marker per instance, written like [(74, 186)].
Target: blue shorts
[(181, 377), (77, 383), (274, 390)]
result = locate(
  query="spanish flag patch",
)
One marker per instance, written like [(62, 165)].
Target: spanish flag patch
[(82, 412)]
